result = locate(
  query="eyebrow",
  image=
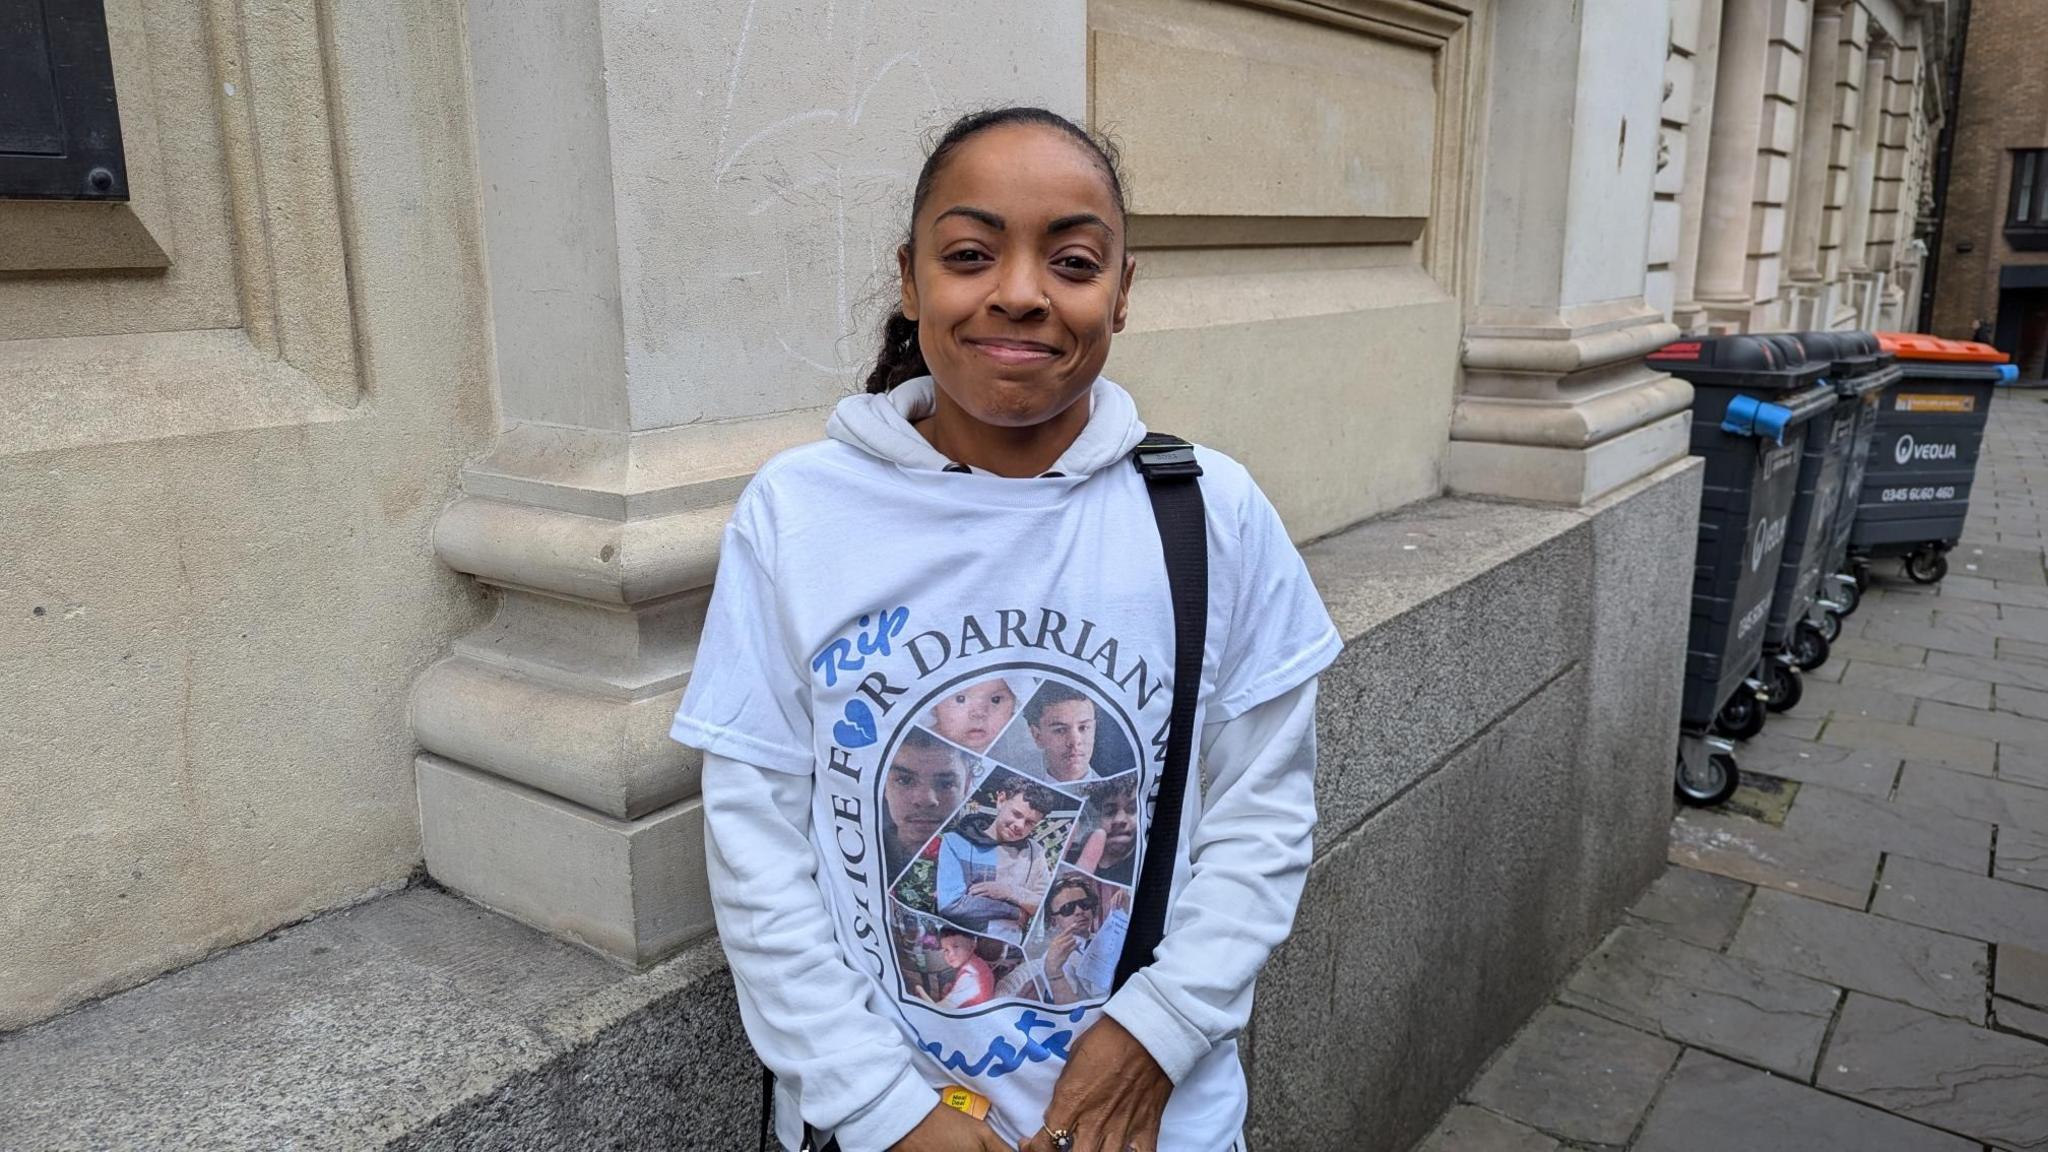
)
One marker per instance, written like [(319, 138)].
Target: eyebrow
[(1061, 224)]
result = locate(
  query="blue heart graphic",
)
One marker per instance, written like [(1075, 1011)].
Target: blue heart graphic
[(858, 729)]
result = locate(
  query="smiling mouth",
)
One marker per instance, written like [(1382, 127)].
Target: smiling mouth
[(1014, 351)]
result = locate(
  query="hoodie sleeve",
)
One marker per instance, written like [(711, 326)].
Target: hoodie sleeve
[(805, 1010), (1250, 852)]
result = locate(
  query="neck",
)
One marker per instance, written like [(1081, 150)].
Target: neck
[(1012, 452)]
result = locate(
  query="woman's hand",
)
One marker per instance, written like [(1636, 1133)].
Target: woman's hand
[(1109, 1098), (948, 1130)]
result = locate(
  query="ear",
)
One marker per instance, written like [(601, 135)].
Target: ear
[(908, 281), (1123, 294)]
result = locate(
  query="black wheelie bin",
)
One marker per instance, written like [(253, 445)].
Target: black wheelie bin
[(1860, 369), (1800, 629), (1751, 397), (1923, 452)]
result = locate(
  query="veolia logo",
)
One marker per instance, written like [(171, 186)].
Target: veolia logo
[(1769, 534), (1906, 451)]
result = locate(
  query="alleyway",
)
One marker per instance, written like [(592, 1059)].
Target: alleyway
[(1853, 957)]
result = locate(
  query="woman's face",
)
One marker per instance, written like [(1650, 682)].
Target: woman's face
[(974, 715), (1017, 274)]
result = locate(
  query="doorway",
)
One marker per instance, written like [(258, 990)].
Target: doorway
[(2023, 330)]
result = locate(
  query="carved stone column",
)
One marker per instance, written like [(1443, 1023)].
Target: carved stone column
[(1687, 312), (1724, 287), (1557, 405), (1810, 188), (682, 206)]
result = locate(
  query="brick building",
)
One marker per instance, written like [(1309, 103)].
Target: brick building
[(1993, 268)]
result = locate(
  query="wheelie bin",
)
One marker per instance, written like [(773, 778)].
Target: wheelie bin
[(1860, 369), (1752, 397), (1801, 632), (1923, 452)]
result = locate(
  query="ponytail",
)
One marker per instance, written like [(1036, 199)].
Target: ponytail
[(900, 358)]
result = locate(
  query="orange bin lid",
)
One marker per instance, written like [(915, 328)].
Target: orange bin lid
[(1919, 346)]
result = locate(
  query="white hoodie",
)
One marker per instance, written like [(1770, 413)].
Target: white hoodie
[(893, 647)]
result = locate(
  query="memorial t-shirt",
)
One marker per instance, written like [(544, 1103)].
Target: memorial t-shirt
[(977, 671)]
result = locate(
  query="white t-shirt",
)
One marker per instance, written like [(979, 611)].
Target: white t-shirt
[(877, 620)]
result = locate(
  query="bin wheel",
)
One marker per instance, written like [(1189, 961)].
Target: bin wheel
[(1830, 626), (1786, 687), (1810, 644), (1926, 567), (1742, 717), (1851, 595), (1708, 784)]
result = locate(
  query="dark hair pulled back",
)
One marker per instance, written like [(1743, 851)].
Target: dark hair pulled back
[(900, 358)]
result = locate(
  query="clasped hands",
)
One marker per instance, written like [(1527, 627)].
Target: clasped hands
[(1109, 1099)]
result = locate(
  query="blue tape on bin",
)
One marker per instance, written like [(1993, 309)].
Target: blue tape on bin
[(1749, 416), (2007, 373)]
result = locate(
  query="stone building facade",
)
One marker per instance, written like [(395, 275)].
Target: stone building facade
[(1992, 275), (1798, 141), (370, 459)]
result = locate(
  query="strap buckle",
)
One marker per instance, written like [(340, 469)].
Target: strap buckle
[(1166, 457)]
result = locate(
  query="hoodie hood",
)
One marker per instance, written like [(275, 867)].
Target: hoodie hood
[(880, 425)]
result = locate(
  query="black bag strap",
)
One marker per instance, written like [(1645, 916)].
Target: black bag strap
[(1172, 478)]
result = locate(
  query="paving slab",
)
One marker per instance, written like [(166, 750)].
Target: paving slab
[(1928, 637), (1822, 699), (1800, 725), (2022, 975), (2023, 764), (1696, 907), (1967, 587), (2022, 857), (2030, 702), (1923, 833), (1921, 683), (1981, 798), (1831, 944), (2002, 727), (1470, 1129), (1913, 742), (1745, 850), (1940, 1072), (1747, 1011), (1962, 903), (2021, 673), (1712, 1105), (2015, 1017), (2000, 562), (2027, 651), (1576, 1076), (1853, 648), (2006, 624), (1863, 770)]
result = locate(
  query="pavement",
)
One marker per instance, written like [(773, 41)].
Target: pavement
[(1852, 955)]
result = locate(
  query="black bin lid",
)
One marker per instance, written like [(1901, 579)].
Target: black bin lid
[(1776, 363), (1852, 352)]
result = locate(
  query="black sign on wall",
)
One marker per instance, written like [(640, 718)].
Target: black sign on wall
[(60, 130)]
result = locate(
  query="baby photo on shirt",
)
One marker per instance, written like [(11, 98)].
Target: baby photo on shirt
[(990, 865), (973, 715), (1065, 736)]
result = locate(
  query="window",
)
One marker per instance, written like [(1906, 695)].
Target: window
[(2026, 215), (60, 131)]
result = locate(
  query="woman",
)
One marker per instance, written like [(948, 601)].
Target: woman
[(975, 515)]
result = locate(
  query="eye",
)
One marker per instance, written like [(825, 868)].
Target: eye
[(966, 256), (1077, 265)]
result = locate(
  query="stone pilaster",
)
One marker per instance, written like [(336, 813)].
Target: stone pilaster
[(681, 212), (1724, 287), (1557, 405), (1809, 290), (1704, 36)]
